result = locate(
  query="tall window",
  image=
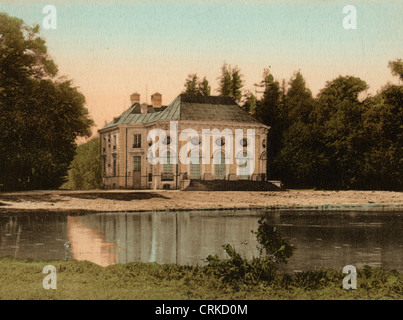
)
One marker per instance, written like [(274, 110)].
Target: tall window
[(114, 140), (150, 172), (167, 167), (136, 163), (114, 167), (137, 141), (167, 172), (219, 167), (244, 168), (195, 164)]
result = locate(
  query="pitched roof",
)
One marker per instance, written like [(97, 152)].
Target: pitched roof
[(188, 107)]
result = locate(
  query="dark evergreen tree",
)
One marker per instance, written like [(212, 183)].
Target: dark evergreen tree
[(250, 103), (237, 84), (225, 81), (192, 84), (204, 87), (270, 111)]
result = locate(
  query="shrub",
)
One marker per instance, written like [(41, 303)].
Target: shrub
[(273, 250)]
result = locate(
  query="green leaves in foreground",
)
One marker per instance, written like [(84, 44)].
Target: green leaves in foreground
[(273, 250), (22, 279)]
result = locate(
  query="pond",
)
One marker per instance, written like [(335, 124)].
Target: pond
[(323, 239)]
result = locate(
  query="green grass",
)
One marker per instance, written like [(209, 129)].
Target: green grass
[(22, 279)]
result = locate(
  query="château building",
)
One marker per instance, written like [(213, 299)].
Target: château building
[(213, 154)]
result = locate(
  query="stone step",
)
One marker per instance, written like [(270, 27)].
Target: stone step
[(226, 185)]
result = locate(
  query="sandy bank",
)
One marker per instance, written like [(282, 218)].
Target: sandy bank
[(145, 200)]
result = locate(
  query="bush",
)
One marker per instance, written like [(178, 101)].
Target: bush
[(85, 170), (273, 250)]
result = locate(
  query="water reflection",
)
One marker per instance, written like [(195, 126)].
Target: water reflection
[(88, 244), (322, 239)]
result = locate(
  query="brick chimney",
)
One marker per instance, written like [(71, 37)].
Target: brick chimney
[(156, 100), (134, 98)]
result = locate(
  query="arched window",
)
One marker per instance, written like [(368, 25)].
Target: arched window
[(244, 168)]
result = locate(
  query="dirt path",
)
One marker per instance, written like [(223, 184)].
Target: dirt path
[(129, 200)]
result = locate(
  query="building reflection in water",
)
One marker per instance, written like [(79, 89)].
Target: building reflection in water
[(187, 238), (180, 238), (326, 239), (88, 244)]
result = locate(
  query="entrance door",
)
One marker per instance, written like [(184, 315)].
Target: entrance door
[(219, 168), (195, 165), (244, 168), (136, 172)]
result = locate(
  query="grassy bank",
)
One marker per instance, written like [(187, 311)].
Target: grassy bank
[(22, 279)]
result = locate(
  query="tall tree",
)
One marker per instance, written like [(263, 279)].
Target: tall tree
[(40, 115), (191, 84), (250, 103), (337, 133), (225, 81), (397, 68), (204, 87), (86, 170), (382, 160), (293, 156), (270, 111), (237, 84), (299, 100)]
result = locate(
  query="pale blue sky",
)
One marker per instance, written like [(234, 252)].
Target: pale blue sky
[(113, 48)]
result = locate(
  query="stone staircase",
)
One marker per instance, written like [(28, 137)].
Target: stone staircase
[(227, 185)]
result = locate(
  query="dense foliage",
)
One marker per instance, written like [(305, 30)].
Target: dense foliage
[(195, 86), (86, 169), (336, 140), (40, 115)]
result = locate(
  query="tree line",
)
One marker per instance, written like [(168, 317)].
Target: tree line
[(336, 140)]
